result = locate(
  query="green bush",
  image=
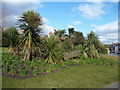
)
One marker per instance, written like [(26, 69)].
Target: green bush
[(27, 62), (23, 72), (13, 72), (5, 69), (99, 61), (34, 72), (30, 67)]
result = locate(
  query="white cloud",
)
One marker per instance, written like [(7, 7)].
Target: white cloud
[(70, 26), (109, 27), (10, 20), (46, 29), (90, 11), (108, 33), (45, 20), (77, 23), (12, 9)]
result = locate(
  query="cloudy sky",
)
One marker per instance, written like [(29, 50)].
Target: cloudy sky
[(100, 17)]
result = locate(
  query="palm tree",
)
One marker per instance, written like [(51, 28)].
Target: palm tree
[(59, 33), (92, 45), (93, 39), (52, 50), (29, 22)]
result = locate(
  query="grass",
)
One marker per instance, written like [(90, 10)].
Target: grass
[(81, 76), (110, 57)]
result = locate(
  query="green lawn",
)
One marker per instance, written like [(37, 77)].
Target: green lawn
[(81, 76), (109, 57)]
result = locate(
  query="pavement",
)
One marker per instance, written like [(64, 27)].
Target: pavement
[(114, 85)]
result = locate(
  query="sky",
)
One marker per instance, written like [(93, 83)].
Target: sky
[(100, 17)]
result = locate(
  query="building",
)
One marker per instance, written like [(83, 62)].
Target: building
[(50, 34), (117, 48), (21, 31), (114, 48)]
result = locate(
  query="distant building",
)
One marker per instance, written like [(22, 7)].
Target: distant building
[(114, 48), (117, 48), (50, 34), (21, 31)]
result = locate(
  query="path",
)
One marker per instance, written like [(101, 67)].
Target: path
[(114, 85)]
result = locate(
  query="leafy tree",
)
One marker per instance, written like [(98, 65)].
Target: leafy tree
[(103, 48), (29, 22), (67, 45), (10, 37), (78, 38), (71, 32)]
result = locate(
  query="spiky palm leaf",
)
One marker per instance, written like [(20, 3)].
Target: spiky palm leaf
[(52, 51), (93, 44), (29, 22)]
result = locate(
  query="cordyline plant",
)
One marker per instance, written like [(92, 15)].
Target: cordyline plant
[(29, 22), (92, 45), (52, 50)]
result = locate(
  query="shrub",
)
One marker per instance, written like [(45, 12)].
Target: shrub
[(52, 51), (99, 61), (27, 62), (30, 67), (23, 72), (5, 69), (35, 72), (13, 72)]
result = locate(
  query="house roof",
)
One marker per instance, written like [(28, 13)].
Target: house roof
[(21, 30), (50, 33)]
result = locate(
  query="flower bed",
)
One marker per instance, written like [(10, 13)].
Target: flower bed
[(12, 66)]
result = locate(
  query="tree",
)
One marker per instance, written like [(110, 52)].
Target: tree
[(51, 50), (71, 31), (93, 39), (29, 22), (78, 38), (104, 48), (10, 37), (93, 45), (59, 33)]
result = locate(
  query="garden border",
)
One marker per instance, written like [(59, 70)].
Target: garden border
[(42, 74)]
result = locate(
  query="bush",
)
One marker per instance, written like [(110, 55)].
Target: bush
[(99, 61), (52, 50), (35, 72), (23, 72), (13, 72)]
